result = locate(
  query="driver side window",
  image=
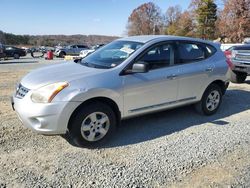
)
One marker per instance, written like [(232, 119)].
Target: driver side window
[(159, 56)]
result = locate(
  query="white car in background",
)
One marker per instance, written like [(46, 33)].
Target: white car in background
[(86, 52)]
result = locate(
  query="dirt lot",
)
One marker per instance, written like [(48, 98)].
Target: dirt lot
[(176, 148)]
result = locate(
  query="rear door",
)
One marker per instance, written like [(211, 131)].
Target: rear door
[(194, 69)]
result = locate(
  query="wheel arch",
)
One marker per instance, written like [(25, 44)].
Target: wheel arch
[(104, 100), (223, 85), (62, 52)]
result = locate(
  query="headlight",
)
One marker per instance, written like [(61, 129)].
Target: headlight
[(46, 93)]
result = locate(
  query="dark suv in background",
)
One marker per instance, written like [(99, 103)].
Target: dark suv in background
[(16, 53)]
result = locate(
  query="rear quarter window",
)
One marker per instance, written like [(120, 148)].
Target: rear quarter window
[(210, 50), (188, 51)]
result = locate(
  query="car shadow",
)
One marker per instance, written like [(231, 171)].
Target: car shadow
[(17, 62), (149, 127), (156, 125)]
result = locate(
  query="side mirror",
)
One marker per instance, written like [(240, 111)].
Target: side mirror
[(140, 67)]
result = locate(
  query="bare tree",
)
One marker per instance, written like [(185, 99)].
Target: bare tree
[(234, 20), (145, 20), (172, 18), (173, 14), (186, 26)]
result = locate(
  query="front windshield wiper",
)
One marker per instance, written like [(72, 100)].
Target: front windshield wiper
[(92, 65)]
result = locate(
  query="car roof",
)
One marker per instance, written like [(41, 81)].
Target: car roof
[(147, 38)]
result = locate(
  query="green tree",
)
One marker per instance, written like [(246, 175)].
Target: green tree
[(206, 16)]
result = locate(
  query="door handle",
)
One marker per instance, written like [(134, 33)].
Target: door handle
[(209, 69), (172, 76)]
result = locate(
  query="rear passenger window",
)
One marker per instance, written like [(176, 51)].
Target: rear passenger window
[(190, 52), (159, 56)]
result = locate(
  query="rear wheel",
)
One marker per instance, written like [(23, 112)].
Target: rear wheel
[(210, 101), (92, 125), (238, 77), (16, 56)]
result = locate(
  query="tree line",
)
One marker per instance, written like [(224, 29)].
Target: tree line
[(203, 19), (53, 40)]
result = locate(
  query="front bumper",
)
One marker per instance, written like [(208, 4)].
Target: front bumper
[(50, 118)]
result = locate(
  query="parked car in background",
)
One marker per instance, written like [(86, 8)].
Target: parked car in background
[(226, 46), (70, 50), (32, 50), (16, 53), (128, 77), (238, 58), (45, 49), (246, 40), (85, 53), (2, 54)]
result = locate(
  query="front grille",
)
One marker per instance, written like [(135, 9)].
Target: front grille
[(21, 91)]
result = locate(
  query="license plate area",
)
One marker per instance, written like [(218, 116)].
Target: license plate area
[(242, 69)]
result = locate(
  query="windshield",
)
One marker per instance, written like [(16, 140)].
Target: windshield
[(111, 54)]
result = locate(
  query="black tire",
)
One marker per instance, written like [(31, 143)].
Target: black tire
[(201, 107), (237, 77), (76, 135), (16, 56), (62, 54)]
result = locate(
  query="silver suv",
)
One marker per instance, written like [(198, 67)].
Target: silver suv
[(70, 50), (126, 78)]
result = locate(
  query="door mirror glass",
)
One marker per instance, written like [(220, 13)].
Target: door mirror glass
[(140, 67)]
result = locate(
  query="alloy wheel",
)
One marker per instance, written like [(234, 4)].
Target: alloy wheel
[(95, 126)]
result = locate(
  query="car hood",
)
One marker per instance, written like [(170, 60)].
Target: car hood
[(66, 71)]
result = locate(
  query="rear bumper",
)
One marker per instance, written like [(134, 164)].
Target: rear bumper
[(241, 67)]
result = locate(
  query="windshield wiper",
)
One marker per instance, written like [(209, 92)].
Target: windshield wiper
[(87, 64)]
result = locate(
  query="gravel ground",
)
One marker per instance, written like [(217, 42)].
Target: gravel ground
[(175, 148)]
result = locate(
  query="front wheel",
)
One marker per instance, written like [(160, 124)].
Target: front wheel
[(92, 125), (210, 101), (16, 56)]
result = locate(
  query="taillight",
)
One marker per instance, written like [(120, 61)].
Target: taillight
[(230, 64), (228, 55)]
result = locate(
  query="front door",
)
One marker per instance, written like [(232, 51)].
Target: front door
[(155, 89)]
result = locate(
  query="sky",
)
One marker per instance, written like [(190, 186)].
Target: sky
[(101, 17)]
